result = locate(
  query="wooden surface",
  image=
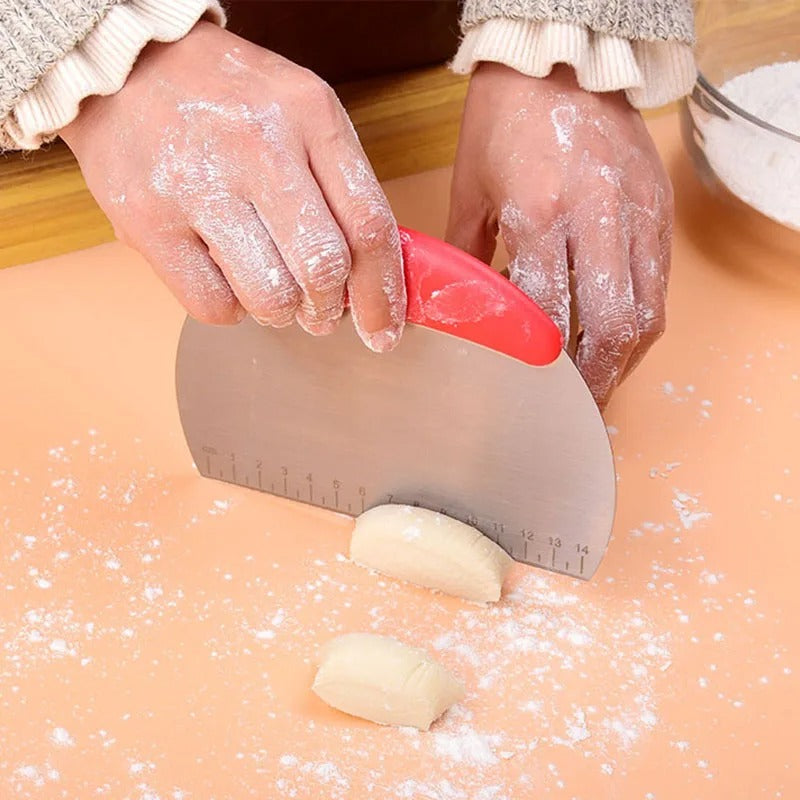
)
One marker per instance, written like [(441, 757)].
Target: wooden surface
[(408, 123)]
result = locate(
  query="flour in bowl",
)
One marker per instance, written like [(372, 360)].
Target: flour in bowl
[(760, 167)]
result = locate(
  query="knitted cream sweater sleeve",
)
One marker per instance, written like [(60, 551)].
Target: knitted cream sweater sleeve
[(54, 53), (641, 46)]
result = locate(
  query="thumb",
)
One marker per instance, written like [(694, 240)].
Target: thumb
[(472, 222)]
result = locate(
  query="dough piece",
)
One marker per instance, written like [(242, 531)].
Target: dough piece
[(430, 549), (385, 681)]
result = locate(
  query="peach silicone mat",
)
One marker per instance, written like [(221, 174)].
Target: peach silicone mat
[(158, 631)]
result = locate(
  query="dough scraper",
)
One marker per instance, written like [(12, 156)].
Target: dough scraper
[(477, 413)]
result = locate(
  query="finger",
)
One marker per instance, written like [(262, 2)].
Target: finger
[(472, 222), (665, 255), (666, 216), (245, 253), (185, 266), (649, 291), (537, 246), (310, 243), (604, 298), (376, 284)]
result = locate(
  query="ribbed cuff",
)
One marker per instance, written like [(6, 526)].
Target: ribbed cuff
[(99, 65), (650, 20), (652, 73)]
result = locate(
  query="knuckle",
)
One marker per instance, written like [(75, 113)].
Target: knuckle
[(652, 194), (550, 188), (319, 95), (523, 225), (618, 333), (275, 304), (375, 231), (196, 281), (324, 259), (651, 321), (543, 201), (330, 308), (544, 210)]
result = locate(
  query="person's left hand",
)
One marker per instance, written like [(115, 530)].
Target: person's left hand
[(573, 182)]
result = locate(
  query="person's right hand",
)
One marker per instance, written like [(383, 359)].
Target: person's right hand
[(238, 175)]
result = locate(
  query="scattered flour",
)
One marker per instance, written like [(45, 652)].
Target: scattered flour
[(467, 746), (761, 167), (559, 673), (689, 509), (564, 119), (61, 737)]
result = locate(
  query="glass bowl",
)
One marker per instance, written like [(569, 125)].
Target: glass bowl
[(741, 124)]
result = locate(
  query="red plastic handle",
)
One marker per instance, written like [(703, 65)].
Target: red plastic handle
[(452, 292)]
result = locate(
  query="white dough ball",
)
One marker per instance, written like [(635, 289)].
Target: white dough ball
[(431, 550), (385, 681)]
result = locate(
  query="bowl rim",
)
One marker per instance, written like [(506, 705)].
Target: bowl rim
[(723, 100)]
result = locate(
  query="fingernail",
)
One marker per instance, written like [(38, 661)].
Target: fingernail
[(385, 340)]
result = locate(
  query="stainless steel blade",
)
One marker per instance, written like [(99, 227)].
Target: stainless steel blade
[(521, 452)]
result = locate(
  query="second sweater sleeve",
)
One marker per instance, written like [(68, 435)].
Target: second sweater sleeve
[(637, 20), (642, 47)]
